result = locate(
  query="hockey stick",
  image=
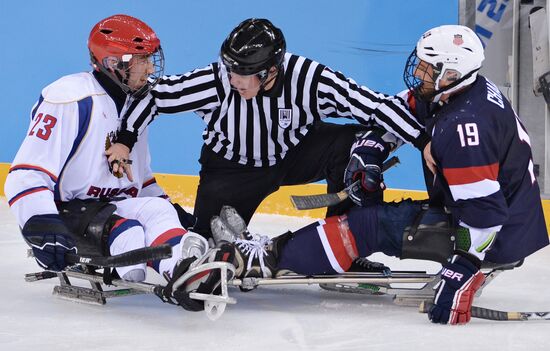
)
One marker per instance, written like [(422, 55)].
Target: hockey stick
[(129, 258), (32, 277), (486, 313), (308, 202)]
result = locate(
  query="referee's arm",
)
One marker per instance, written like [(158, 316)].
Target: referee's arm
[(192, 91), (342, 97)]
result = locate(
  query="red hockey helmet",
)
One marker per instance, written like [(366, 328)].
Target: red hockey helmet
[(115, 40)]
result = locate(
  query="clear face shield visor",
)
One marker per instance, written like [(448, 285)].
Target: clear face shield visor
[(255, 81), (240, 76)]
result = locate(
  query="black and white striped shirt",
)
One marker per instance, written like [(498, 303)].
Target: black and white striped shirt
[(260, 131)]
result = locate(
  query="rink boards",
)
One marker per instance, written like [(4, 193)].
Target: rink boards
[(182, 189)]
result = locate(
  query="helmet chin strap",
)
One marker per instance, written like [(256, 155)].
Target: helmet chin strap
[(266, 80), (117, 78), (436, 95), (114, 75), (123, 83)]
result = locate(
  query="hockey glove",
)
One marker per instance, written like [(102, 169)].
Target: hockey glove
[(187, 220), (50, 240), (365, 164), (460, 279)]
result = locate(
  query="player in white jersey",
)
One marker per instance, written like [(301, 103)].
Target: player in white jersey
[(69, 195), (60, 186), (63, 155)]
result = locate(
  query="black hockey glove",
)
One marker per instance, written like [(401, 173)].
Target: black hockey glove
[(365, 164), (50, 240), (187, 220)]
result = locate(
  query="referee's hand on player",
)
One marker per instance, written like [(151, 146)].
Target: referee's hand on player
[(118, 157), (430, 162)]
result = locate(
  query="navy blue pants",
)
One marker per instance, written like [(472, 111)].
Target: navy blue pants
[(329, 246)]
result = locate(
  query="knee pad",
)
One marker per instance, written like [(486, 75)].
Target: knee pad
[(310, 250), (192, 244), (159, 210), (430, 237)]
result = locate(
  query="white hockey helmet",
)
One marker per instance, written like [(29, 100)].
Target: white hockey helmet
[(455, 53)]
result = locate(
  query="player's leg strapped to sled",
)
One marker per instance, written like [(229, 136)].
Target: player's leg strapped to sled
[(193, 271), (321, 253), (324, 252)]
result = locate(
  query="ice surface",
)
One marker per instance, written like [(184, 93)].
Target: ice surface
[(269, 318)]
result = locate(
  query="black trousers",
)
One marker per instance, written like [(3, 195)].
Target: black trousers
[(322, 154)]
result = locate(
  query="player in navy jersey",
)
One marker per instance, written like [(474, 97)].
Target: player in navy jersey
[(264, 109), (482, 188), (484, 174)]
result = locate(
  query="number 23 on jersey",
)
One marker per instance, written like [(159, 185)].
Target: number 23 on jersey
[(43, 126)]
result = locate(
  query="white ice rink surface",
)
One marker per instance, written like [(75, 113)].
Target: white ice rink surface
[(289, 318)]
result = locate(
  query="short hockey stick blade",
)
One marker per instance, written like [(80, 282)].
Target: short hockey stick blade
[(392, 161), (308, 202), (32, 277), (486, 313), (129, 258)]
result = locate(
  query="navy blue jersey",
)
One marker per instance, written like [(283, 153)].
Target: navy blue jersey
[(485, 170)]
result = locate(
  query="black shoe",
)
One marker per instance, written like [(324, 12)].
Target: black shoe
[(254, 259)]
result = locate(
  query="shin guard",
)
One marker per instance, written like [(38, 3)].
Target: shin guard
[(324, 247)]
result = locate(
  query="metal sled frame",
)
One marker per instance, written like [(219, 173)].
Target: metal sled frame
[(409, 288), (97, 295)]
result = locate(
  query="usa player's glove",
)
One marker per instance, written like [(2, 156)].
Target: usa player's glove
[(365, 164), (460, 279), (49, 239)]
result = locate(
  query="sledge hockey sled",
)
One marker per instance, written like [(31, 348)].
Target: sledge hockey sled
[(408, 288), (105, 284)]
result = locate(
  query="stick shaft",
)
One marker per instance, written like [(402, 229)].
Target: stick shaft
[(308, 202), (495, 315)]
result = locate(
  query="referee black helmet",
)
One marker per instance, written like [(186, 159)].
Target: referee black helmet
[(253, 47)]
